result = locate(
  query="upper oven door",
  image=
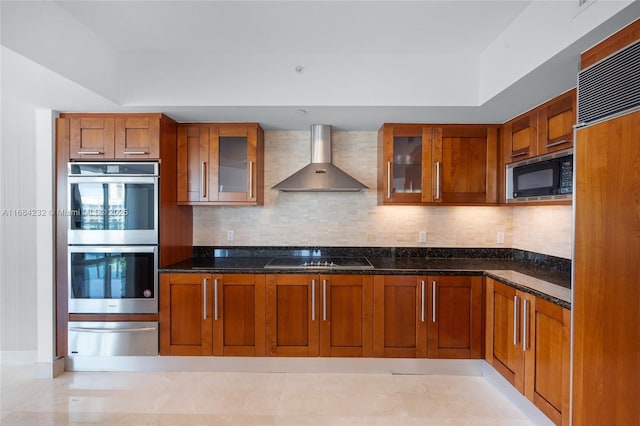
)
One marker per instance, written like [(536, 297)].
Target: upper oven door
[(113, 209), (113, 279)]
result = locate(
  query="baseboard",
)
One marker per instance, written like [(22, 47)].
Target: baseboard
[(48, 370), (277, 365), (532, 412), (41, 370)]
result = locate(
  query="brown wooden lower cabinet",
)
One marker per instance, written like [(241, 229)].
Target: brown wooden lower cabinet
[(204, 314), (186, 321), (455, 311), (293, 315), (435, 316), (528, 342), (326, 315), (400, 309), (238, 314)]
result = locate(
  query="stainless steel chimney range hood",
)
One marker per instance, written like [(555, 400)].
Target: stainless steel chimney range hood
[(321, 175)]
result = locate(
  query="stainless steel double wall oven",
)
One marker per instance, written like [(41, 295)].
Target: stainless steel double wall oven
[(113, 255)]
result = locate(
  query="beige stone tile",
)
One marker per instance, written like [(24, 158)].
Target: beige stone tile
[(131, 419), (320, 421), (447, 397), (254, 399), (341, 403)]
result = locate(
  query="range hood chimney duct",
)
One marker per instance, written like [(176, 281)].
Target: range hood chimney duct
[(321, 175)]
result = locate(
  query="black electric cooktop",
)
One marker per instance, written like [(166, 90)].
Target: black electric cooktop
[(319, 263)]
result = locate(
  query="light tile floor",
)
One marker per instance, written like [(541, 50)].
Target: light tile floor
[(170, 398)]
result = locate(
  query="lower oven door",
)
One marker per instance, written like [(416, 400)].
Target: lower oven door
[(112, 338), (113, 279)]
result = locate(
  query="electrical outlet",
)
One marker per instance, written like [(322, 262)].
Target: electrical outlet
[(500, 237), (422, 236), (230, 235)]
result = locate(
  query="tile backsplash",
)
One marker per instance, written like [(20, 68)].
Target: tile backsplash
[(544, 229), (355, 219)]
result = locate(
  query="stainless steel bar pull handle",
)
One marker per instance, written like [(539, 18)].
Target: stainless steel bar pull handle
[(215, 299), (203, 179), (204, 303), (422, 303), (437, 180), (90, 152), (111, 330), (388, 179), (433, 301), (525, 325), (516, 302), (556, 143), (250, 179), (135, 153), (324, 300), (313, 300)]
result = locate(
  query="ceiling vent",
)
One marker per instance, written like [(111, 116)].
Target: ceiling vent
[(611, 86)]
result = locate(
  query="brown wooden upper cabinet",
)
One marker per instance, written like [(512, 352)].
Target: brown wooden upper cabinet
[(546, 128), (520, 137), (137, 137), (556, 119), (114, 136), (220, 164), (437, 164)]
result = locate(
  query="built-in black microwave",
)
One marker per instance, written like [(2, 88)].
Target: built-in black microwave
[(544, 178)]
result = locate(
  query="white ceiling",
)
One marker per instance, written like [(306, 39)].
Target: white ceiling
[(292, 27), (364, 62)]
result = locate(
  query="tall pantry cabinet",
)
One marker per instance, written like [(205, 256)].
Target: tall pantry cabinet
[(606, 302), (606, 278)]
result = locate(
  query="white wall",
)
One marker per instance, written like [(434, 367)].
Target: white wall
[(186, 72), (541, 31), (18, 191), (29, 91), (48, 35)]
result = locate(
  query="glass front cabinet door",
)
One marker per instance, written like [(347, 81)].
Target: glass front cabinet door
[(220, 164), (232, 176), (404, 164), (423, 164)]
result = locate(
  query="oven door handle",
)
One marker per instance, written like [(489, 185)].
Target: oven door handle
[(111, 330)]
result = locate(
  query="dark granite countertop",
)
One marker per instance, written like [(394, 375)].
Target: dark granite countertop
[(551, 285)]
